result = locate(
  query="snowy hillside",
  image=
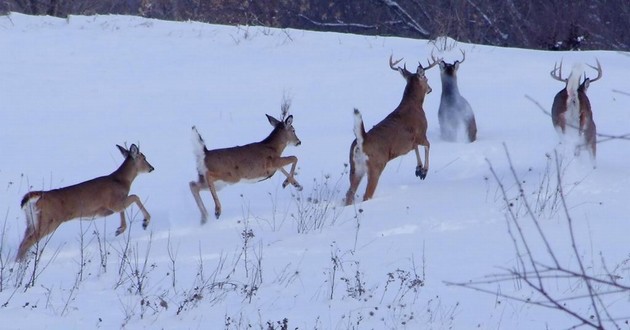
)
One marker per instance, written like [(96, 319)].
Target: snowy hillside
[(72, 89)]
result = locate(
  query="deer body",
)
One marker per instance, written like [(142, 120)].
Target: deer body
[(401, 131), (99, 197), (571, 109), (455, 115), (249, 163)]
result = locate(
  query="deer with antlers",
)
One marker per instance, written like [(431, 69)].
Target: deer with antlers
[(401, 131), (455, 115), (571, 109), (99, 197), (252, 162)]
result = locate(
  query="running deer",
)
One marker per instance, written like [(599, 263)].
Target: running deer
[(456, 118), (401, 131), (252, 162), (99, 197), (571, 107)]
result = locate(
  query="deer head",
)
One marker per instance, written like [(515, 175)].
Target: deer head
[(420, 72), (451, 69), (285, 129)]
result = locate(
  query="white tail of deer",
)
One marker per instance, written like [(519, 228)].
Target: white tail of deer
[(252, 162), (571, 109), (455, 115), (99, 197), (401, 131)]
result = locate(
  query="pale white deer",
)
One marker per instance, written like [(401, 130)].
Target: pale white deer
[(455, 115), (249, 163), (99, 197), (571, 109), (401, 131)]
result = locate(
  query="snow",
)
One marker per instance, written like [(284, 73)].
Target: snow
[(74, 88)]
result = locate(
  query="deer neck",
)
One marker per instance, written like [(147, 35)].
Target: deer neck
[(413, 95), (126, 173), (275, 141), (449, 85)]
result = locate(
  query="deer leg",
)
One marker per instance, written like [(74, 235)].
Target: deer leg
[(427, 146), (290, 179), (355, 180), (134, 199), (421, 171), (358, 168), (215, 197), (562, 122), (593, 149), (374, 173), (592, 153), (582, 122), (29, 233), (472, 130), (33, 235), (284, 161), (123, 224), (28, 241), (195, 188)]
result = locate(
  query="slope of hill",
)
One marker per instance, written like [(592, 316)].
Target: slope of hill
[(73, 88)]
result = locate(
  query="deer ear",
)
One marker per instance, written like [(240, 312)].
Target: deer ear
[(123, 151), (420, 70), (404, 72), (289, 120), (585, 84), (456, 65), (134, 151), (273, 121)]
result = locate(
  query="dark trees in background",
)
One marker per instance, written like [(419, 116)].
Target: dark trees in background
[(537, 24)]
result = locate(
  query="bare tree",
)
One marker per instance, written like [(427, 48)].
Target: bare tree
[(540, 24), (592, 292)]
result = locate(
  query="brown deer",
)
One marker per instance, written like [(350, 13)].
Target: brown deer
[(571, 107), (99, 197), (401, 131), (455, 115), (252, 162)]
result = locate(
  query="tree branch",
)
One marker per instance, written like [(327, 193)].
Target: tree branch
[(407, 19), (340, 24)]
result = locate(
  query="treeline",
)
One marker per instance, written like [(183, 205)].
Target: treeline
[(536, 24)]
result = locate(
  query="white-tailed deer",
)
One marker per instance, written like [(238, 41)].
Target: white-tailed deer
[(252, 162), (457, 120), (571, 109), (99, 197), (401, 131)]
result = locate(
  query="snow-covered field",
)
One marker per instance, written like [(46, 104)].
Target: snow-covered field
[(74, 88)]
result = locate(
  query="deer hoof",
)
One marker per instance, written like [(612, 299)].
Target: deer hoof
[(120, 230), (421, 172), (217, 213), (145, 224), (298, 187)]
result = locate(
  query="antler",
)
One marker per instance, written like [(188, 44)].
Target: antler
[(392, 64), (435, 62), (402, 70), (464, 56), (599, 70), (431, 64), (559, 70)]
